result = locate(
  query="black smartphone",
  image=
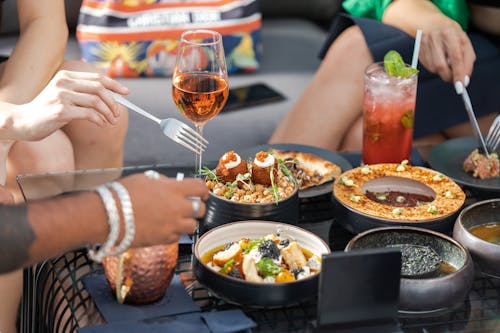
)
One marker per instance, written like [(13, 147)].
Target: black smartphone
[(251, 95)]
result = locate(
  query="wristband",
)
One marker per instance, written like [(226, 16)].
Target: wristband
[(128, 216), (113, 221)]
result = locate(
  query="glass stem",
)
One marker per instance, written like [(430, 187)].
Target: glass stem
[(197, 163)]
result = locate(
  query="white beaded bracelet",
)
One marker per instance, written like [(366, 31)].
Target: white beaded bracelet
[(113, 221), (128, 216)]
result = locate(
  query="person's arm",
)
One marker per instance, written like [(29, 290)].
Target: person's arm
[(68, 96), (39, 51), (42, 229), (445, 49), (29, 233)]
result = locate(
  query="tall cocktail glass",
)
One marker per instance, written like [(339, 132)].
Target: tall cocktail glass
[(388, 116)]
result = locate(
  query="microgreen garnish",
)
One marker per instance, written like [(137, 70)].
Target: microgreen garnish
[(284, 169), (210, 174), (252, 245), (274, 187), (230, 192)]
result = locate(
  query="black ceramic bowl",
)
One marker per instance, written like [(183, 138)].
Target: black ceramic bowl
[(357, 216), (253, 294), (221, 211), (425, 295), (485, 254)]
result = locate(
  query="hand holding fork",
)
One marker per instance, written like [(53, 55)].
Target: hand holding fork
[(173, 128)]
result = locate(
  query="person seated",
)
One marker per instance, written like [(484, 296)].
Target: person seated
[(71, 125), (329, 112)]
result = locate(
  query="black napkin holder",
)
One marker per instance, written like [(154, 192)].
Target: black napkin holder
[(359, 291)]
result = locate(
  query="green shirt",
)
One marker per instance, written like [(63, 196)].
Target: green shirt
[(454, 9)]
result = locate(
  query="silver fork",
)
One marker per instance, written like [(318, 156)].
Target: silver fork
[(493, 137), (171, 127)]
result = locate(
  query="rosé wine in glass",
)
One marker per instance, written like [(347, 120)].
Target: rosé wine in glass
[(388, 116)]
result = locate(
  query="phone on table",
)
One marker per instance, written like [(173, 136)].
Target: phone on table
[(251, 95)]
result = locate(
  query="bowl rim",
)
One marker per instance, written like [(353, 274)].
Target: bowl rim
[(470, 207), (467, 262), (378, 218), (230, 278), (390, 170)]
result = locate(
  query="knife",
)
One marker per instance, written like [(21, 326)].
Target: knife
[(461, 90)]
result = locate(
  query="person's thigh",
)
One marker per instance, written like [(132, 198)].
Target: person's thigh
[(94, 146), (52, 154)]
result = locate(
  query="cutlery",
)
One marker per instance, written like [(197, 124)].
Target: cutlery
[(171, 127)]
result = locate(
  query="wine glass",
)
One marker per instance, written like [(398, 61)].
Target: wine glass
[(199, 84)]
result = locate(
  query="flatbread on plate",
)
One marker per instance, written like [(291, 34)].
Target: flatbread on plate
[(308, 169)]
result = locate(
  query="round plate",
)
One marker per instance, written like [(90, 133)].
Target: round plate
[(323, 153), (448, 158)]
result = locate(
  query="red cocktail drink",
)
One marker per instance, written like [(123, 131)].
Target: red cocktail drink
[(388, 114)]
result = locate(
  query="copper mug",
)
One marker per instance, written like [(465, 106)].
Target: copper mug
[(141, 275)]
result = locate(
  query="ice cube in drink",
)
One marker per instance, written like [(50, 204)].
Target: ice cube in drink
[(388, 114)]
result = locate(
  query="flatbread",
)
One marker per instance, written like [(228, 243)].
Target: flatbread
[(308, 169)]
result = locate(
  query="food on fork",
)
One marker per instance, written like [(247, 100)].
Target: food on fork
[(230, 165), (307, 169), (264, 167), (482, 166)]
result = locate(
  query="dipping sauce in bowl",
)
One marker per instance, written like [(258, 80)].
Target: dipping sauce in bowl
[(489, 232)]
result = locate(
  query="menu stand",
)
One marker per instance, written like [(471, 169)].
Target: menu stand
[(359, 291)]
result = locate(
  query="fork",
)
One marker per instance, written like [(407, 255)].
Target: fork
[(171, 127), (493, 137)]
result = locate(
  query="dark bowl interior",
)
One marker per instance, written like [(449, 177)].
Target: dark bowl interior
[(221, 211), (485, 254), (251, 294), (430, 294)]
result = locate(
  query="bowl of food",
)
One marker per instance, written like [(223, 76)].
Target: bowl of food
[(478, 229), (260, 188), (391, 194), (436, 271), (259, 263)]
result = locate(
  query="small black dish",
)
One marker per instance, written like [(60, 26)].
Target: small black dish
[(220, 211), (425, 295), (448, 157)]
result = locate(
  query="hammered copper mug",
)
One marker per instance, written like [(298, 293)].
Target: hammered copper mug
[(141, 275)]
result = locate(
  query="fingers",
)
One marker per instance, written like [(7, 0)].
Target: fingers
[(90, 101), (194, 188), (448, 52), (95, 88)]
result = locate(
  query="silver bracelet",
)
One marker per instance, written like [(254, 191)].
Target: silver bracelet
[(113, 221), (128, 216)]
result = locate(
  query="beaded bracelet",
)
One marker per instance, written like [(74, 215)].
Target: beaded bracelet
[(128, 216), (113, 221)]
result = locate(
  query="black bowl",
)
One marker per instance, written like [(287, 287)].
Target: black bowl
[(221, 211), (271, 295), (425, 295), (367, 214), (484, 253)]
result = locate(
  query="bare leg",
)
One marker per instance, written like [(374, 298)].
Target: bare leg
[(96, 147), (332, 102), (53, 153)]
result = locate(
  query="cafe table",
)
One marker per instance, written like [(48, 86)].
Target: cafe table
[(56, 296)]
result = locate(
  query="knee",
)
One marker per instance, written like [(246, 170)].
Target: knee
[(51, 154)]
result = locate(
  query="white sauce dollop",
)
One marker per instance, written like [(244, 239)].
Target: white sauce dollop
[(266, 163), (232, 164)]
